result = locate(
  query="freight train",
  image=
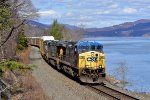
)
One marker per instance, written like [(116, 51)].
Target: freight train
[(84, 60)]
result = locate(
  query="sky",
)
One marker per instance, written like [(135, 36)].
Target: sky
[(92, 13)]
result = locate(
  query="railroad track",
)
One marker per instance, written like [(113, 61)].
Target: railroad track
[(111, 93)]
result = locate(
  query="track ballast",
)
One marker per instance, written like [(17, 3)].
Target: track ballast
[(111, 93)]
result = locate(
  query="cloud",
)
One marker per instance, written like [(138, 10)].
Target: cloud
[(84, 24), (114, 6), (68, 14), (92, 13), (48, 13), (129, 10)]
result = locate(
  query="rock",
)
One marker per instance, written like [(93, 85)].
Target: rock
[(9, 77), (112, 80)]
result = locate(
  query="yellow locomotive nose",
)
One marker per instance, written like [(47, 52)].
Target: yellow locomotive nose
[(91, 60), (92, 65)]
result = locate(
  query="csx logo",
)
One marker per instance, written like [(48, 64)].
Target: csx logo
[(92, 59)]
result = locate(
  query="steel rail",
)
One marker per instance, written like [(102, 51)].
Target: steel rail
[(112, 93)]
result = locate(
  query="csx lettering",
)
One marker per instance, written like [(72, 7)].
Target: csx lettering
[(92, 59)]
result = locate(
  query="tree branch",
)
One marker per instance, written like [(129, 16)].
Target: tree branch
[(11, 31)]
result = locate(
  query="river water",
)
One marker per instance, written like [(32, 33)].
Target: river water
[(134, 54)]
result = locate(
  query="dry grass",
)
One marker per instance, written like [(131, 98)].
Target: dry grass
[(24, 55), (33, 91)]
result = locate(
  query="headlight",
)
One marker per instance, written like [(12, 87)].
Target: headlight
[(100, 66), (86, 66)]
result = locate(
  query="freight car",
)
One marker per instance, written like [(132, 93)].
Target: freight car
[(34, 41), (84, 60)]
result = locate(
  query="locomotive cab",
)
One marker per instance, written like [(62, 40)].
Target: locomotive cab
[(91, 62)]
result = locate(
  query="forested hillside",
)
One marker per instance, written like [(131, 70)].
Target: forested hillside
[(129, 29)]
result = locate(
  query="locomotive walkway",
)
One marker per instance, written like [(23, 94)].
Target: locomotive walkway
[(57, 86)]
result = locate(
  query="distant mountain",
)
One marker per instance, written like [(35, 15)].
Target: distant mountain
[(35, 29), (67, 26), (128, 29), (37, 24), (71, 27), (38, 29)]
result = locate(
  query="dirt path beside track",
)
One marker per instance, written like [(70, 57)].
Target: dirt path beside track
[(57, 86)]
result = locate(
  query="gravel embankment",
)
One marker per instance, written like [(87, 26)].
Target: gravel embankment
[(57, 86)]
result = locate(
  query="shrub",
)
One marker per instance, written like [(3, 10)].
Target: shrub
[(12, 65), (22, 42)]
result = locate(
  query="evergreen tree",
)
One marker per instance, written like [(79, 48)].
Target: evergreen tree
[(56, 30), (22, 42)]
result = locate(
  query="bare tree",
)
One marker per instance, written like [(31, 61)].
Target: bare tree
[(76, 34), (122, 72), (20, 10), (23, 9), (67, 36)]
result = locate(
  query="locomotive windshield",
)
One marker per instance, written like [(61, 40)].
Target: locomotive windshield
[(96, 47), (89, 46)]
